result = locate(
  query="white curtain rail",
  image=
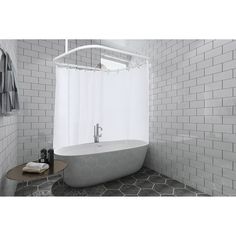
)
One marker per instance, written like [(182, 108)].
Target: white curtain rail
[(77, 66), (97, 47)]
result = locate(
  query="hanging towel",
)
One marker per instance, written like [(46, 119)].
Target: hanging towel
[(8, 91)]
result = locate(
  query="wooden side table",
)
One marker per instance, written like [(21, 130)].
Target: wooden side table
[(17, 174)]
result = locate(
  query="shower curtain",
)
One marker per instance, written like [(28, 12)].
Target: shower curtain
[(117, 100)]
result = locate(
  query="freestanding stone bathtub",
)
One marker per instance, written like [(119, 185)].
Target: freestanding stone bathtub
[(94, 163)]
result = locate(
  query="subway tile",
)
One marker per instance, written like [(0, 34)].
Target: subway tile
[(229, 65), (223, 146), (204, 127), (229, 83), (213, 119), (229, 174), (229, 119), (223, 181), (229, 46), (214, 69), (223, 93), (223, 111), (204, 80), (223, 128), (223, 75), (229, 156), (213, 53), (204, 48), (223, 58), (213, 86)]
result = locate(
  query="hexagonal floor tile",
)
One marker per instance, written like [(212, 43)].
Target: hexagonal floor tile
[(57, 189), (26, 191), (156, 179), (151, 172), (95, 190), (174, 183), (60, 189), (112, 193), (44, 193), (113, 184), (163, 188), (144, 183), (164, 176), (20, 185), (46, 185), (148, 192), (129, 189), (140, 175), (183, 192), (127, 180)]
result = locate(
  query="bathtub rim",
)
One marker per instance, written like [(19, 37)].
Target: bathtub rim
[(145, 144)]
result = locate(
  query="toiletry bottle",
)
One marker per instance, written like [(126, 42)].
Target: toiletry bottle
[(51, 158), (43, 156)]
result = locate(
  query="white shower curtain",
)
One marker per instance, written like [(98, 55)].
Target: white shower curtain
[(118, 101)]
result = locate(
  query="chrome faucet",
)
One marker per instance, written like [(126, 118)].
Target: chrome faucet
[(96, 133)]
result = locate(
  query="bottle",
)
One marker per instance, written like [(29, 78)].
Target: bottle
[(43, 156), (51, 158)]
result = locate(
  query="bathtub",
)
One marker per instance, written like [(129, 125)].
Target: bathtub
[(94, 163)]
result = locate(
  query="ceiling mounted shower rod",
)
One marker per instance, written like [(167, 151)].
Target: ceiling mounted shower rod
[(68, 52)]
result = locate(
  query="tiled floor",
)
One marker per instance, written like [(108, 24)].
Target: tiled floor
[(145, 182)]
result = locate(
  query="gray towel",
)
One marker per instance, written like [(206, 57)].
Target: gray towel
[(8, 92)]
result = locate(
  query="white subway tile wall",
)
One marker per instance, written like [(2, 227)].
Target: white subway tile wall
[(36, 76), (8, 132), (192, 112)]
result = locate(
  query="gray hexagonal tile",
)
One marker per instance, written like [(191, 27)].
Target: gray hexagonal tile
[(26, 191), (128, 180), (95, 190), (113, 193), (144, 183), (163, 188), (129, 189), (156, 179), (164, 176), (183, 192), (140, 175), (174, 183), (148, 192), (116, 184), (46, 185), (150, 172), (74, 192), (21, 185), (44, 193)]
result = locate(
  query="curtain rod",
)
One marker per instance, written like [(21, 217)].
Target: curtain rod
[(96, 47)]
